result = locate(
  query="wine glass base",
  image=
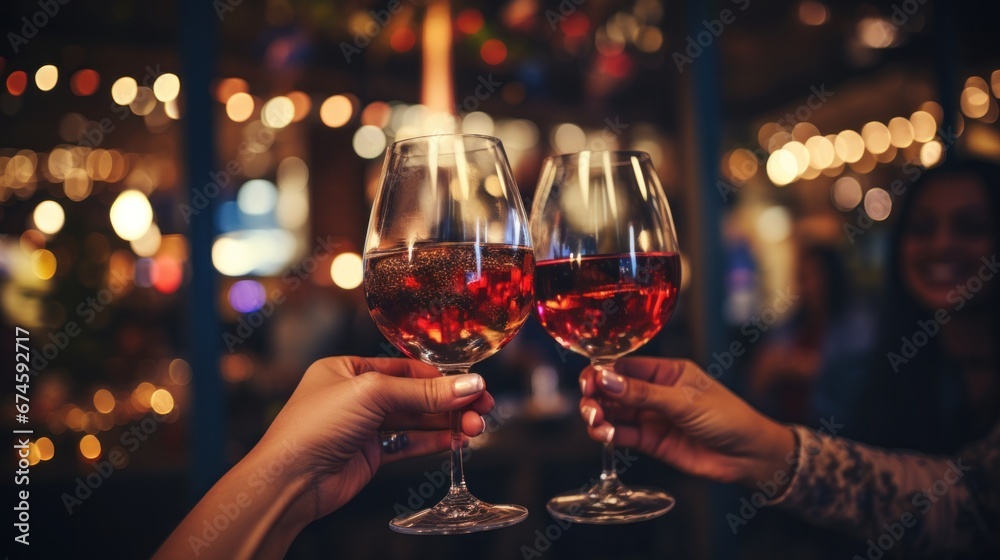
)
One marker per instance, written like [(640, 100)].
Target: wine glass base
[(611, 502), (459, 513)]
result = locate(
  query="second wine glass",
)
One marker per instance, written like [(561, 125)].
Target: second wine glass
[(607, 279)]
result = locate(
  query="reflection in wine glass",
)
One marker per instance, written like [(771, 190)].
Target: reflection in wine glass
[(449, 280), (607, 280)]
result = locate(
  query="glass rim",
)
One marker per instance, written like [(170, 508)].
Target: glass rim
[(622, 154), (491, 140)]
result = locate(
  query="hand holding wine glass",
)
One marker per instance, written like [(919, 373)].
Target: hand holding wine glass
[(608, 276), (449, 280)]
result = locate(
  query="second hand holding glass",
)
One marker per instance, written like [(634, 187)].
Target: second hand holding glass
[(608, 275)]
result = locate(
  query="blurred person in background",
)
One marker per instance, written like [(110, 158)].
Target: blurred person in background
[(933, 383), (797, 366)]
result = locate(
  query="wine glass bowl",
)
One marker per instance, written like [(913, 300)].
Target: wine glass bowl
[(449, 280), (607, 280)]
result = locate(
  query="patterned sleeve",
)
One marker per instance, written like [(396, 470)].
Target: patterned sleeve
[(899, 499)]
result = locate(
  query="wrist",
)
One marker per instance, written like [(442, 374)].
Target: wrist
[(272, 473), (775, 460)]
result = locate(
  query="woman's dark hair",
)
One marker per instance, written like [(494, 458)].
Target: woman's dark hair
[(921, 404), (836, 280)]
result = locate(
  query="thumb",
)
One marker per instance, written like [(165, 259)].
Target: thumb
[(667, 400), (427, 395)]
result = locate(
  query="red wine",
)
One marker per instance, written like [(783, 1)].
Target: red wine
[(608, 305), (450, 303)]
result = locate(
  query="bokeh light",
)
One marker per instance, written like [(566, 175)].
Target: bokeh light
[(402, 39), (742, 164), (131, 215), (46, 450), (924, 127), (239, 107), (846, 193), (167, 274), (149, 243), (43, 263), (302, 104), (878, 204), (801, 154), (369, 141), (142, 394), (347, 270), (229, 87), (774, 224), (90, 447), (161, 401), (179, 371), (85, 82), (782, 167), (49, 217), (876, 137), (144, 102), (900, 132), (104, 401), (493, 51), (247, 296), (336, 111), (821, 152), (17, 82), (167, 87), (877, 33), (849, 146), (931, 153), (257, 197), (46, 77), (568, 138), (813, 12), (277, 112), (470, 21), (124, 90)]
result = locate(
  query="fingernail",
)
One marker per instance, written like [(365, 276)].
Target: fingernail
[(613, 382), (483, 429), (583, 385), (589, 413), (467, 384), (606, 432)]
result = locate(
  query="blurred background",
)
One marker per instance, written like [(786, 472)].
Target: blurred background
[(185, 189)]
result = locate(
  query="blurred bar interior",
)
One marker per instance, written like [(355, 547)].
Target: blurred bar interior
[(185, 188)]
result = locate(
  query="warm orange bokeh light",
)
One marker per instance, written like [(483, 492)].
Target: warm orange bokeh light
[(470, 21), (403, 39), (493, 52), (85, 82), (17, 82), (229, 87)]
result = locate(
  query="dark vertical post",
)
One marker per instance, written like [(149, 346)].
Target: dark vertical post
[(943, 25), (198, 43), (702, 133)]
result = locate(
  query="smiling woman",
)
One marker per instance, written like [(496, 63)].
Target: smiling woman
[(934, 383)]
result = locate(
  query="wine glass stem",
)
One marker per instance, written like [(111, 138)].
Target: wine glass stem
[(455, 421), (609, 470)]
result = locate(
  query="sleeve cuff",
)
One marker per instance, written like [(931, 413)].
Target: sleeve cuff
[(804, 440)]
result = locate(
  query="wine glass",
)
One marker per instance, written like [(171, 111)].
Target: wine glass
[(449, 279), (607, 277)]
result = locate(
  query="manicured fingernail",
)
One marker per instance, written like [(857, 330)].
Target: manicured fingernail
[(589, 413), (483, 429), (606, 432), (614, 383), (583, 385), (467, 384)]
